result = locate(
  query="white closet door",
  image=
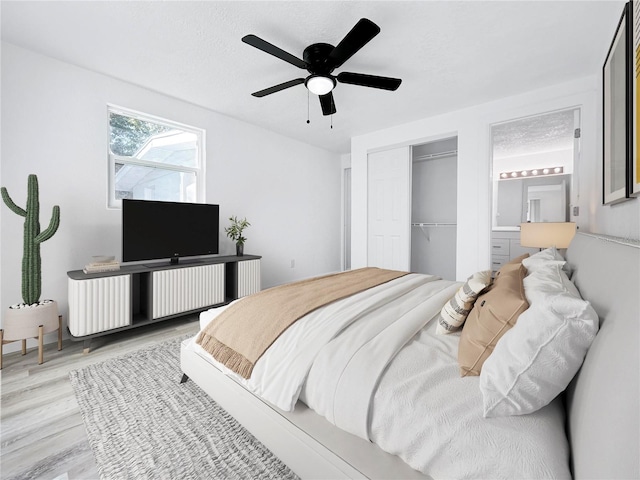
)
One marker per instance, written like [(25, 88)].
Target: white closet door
[(389, 209)]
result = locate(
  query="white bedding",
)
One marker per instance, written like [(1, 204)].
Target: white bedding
[(405, 394)]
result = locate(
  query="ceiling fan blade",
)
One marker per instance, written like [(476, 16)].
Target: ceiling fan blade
[(326, 102), (267, 47), (357, 38), (374, 81), (277, 88)]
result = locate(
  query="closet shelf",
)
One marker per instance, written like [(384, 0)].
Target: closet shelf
[(430, 156), (432, 224)]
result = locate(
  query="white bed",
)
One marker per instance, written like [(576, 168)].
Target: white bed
[(440, 429)]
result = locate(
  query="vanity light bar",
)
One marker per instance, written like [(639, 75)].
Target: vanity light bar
[(536, 172)]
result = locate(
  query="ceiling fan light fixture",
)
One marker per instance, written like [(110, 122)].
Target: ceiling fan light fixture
[(320, 84), (321, 59)]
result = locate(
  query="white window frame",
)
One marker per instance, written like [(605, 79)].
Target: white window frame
[(199, 171)]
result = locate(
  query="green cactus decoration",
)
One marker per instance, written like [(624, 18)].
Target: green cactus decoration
[(31, 265)]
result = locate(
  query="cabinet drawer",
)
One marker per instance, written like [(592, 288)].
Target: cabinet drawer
[(248, 277), (497, 261), (99, 304), (180, 290), (500, 246)]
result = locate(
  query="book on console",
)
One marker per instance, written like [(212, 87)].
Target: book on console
[(97, 267)]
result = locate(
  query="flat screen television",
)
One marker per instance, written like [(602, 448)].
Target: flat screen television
[(153, 230)]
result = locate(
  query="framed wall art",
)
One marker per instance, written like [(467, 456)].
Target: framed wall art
[(616, 76), (635, 120)]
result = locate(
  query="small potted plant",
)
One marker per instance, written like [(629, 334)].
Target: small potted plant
[(234, 232), (32, 318)]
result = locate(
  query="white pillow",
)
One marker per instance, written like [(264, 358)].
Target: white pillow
[(546, 280), (549, 256), (535, 360)]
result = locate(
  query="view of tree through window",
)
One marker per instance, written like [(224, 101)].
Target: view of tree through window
[(128, 134), (152, 159)]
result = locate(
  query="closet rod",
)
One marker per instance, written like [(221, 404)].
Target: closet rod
[(434, 224), (428, 156)]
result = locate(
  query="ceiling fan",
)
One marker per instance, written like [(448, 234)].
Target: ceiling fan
[(321, 59)]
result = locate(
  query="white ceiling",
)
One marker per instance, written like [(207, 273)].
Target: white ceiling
[(449, 54)]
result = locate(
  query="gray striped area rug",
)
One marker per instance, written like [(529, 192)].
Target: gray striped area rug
[(142, 423)]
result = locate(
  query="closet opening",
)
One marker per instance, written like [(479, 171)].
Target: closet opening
[(434, 180)]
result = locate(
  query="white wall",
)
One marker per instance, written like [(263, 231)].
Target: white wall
[(472, 126), (54, 124)]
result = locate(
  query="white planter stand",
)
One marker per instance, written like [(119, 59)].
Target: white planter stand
[(35, 322)]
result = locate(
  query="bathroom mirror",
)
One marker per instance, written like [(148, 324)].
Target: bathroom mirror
[(532, 167), (532, 200)]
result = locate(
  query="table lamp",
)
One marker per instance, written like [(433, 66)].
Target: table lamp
[(547, 234)]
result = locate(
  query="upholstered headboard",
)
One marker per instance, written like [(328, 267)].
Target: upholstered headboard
[(603, 401)]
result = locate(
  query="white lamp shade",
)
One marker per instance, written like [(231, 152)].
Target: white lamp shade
[(547, 234), (320, 85)]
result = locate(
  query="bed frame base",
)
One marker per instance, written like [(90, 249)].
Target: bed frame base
[(303, 440)]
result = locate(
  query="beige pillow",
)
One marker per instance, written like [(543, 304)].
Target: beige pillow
[(455, 311), (493, 314)]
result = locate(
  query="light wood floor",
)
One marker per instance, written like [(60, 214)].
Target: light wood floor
[(42, 433)]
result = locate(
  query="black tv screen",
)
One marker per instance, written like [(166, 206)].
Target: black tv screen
[(158, 230)]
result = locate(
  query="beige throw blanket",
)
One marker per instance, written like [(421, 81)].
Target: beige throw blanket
[(239, 336)]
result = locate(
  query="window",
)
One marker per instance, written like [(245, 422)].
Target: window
[(153, 159)]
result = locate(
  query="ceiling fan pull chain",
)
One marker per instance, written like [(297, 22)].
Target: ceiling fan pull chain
[(332, 121), (308, 121)]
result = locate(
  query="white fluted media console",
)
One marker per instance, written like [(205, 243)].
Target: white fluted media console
[(136, 295)]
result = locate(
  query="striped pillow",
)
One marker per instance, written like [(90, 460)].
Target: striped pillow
[(456, 310)]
